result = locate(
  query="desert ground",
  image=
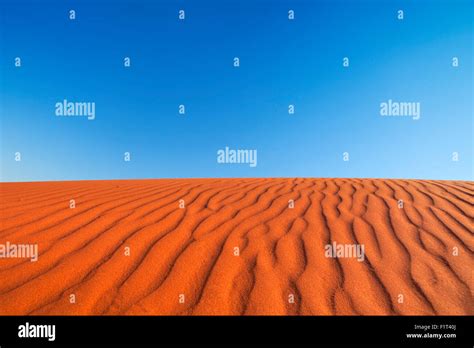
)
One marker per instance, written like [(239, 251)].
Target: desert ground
[(238, 247)]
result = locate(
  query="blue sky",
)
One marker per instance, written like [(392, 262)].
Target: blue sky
[(190, 62)]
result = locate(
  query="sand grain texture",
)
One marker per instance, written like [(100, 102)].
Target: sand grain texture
[(409, 252)]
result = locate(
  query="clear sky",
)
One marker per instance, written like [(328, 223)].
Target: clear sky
[(190, 62)]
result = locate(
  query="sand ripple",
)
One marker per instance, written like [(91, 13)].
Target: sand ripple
[(418, 259)]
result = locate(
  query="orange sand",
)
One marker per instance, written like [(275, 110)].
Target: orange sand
[(190, 251)]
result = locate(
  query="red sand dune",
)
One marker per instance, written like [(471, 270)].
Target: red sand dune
[(411, 265)]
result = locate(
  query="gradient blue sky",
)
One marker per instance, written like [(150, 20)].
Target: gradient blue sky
[(282, 62)]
